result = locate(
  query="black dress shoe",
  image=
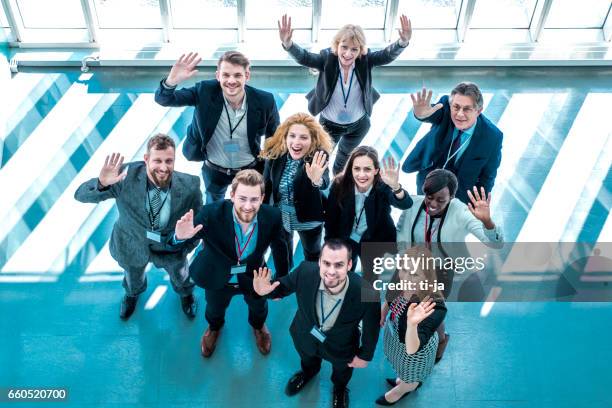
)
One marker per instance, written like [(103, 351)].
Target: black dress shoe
[(391, 381), (296, 383), (341, 397), (189, 306), (383, 401), (128, 305)]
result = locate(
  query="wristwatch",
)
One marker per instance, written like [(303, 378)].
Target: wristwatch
[(399, 189)]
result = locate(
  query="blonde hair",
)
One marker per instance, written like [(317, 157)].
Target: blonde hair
[(276, 145), (353, 33), (248, 177)]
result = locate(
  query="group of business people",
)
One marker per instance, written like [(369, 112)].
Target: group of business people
[(285, 187)]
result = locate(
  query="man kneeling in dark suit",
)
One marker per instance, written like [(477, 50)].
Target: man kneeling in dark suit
[(331, 304), (235, 236)]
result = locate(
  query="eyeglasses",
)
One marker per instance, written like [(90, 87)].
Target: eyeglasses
[(466, 109)]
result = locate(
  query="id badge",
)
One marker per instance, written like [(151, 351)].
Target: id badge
[(355, 236), (154, 236), (286, 208), (344, 116), (318, 334), (231, 146), (236, 269)]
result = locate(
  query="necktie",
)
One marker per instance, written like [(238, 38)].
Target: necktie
[(456, 145), (156, 204)]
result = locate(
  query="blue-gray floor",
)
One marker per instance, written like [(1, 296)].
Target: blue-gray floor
[(60, 290)]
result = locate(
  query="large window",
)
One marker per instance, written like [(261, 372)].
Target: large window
[(503, 14), (204, 14), (51, 14), (265, 13), (578, 14), (431, 13), (366, 13), (128, 13)]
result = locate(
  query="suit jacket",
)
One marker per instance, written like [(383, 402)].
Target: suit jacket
[(343, 340), (307, 199), (129, 244), (207, 97), (329, 70), (478, 164), (211, 267), (339, 219)]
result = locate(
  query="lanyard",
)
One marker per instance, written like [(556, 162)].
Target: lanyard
[(346, 96), (153, 216), (241, 250), (358, 220), (429, 233), (323, 317), (229, 122), (449, 156)]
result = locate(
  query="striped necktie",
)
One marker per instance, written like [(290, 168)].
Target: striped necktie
[(156, 205)]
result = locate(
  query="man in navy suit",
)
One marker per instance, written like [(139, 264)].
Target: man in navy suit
[(461, 140), (229, 118)]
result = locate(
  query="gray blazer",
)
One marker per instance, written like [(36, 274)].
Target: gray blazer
[(129, 245)]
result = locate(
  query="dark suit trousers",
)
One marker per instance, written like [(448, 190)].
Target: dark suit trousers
[(135, 280), (311, 243), (346, 137), (341, 372), (218, 300)]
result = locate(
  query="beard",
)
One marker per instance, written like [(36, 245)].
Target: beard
[(334, 285), (245, 217), (163, 184)]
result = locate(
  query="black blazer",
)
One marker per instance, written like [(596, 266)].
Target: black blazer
[(344, 340), (207, 97), (307, 199), (381, 228), (477, 165), (211, 267), (329, 70)]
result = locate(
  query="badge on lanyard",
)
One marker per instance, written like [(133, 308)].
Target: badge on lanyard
[(356, 236), (231, 146), (236, 269), (318, 334), (241, 268), (154, 236), (344, 116)]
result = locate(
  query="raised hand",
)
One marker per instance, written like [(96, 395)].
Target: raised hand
[(315, 170), (261, 281), (419, 312), (405, 32), (480, 206), (421, 104), (184, 68), (390, 173), (285, 32), (184, 227), (110, 173)]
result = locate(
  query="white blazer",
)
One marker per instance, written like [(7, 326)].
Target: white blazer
[(459, 224)]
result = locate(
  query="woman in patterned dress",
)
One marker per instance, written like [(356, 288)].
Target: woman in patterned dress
[(295, 175), (410, 338)]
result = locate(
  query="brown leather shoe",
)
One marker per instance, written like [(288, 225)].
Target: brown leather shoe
[(263, 340), (209, 341)]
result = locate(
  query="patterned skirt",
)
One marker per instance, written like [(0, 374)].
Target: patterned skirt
[(409, 367)]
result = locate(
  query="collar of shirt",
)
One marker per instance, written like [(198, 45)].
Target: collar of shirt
[(364, 194), (240, 110), (466, 133), (238, 226), (151, 186), (339, 295)]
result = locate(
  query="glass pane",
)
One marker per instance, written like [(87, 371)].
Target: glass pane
[(265, 13), (366, 13), (577, 14), (431, 13), (128, 13), (503, 14), (3, 20), (51, 14), (204, 13)]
